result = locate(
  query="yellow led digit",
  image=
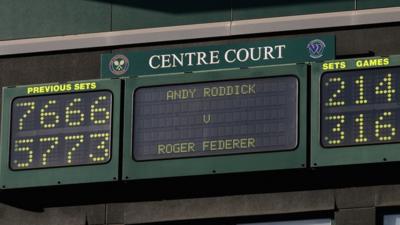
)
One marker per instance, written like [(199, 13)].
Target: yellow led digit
[(104, 137), (53, 142), (360, 122), (337, 129), (388, 90), (44, 114), (379, 126), (69, 112), (22, 145), (78, 141), (361, 94), (94, 110), (30, 107), (333, 101)]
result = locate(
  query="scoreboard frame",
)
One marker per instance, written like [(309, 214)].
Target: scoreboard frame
[(78, 174), (346, 155), (220, 164)]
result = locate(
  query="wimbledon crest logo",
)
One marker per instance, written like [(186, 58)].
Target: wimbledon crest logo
[(316, 48), (119, 64)]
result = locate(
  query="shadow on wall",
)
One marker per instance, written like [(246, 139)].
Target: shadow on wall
[(185, 6)]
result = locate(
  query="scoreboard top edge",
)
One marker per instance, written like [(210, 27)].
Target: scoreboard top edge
[(356, 63), (215, 75), (62, 87)]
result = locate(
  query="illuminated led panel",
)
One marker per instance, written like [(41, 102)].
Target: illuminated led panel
[(355, 111), (60, 133), (360, 107), (61, 130), (216, 118)]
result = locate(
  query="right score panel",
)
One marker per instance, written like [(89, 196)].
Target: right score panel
[(355, 111)]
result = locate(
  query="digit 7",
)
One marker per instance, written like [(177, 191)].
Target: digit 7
[(54, 142), (78, 140), (30, 107)]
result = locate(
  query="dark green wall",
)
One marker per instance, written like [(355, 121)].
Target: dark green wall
[(128, 14), (254, 9), (369, 4), (41, 18)]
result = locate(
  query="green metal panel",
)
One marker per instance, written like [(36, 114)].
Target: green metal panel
[(138, 14), (371, 4), (61, 175), (244, 9), (215, 164), (289, 50), (41, 18), (357, 154)]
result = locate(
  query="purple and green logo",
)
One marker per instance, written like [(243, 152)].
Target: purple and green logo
[(119, 64), (316, 48)]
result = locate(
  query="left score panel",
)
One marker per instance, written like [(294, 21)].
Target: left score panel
[(61, 130), (60, 133)]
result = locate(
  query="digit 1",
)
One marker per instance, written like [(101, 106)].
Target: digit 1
[(379, 127), (361, 96), (69, 112), (388, 91), (22, 145), (54, 142), (94, 109), (360, 122), (102, 146), (336, 129), (44, 114), (78, 140), (30, 107)]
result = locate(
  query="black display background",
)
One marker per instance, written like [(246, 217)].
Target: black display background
[(269, 116)]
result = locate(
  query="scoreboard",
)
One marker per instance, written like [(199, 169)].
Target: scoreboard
[(224, 121), (215, 122), (355, 111), (60, 133)]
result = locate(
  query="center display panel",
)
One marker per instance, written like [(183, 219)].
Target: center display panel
[(215, 118), (215, 122)]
